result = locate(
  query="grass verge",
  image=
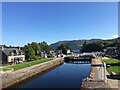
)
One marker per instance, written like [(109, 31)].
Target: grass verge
[(114, 65), (26, 64)]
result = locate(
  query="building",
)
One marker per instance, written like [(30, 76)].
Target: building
[(111, 51), (44, 54), (11, 55), (51, 54), (68, 52), (76, 51), (92, 54)]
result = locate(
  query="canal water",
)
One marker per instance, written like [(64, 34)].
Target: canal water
[(67, 75)]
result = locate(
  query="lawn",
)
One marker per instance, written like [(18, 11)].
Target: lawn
[(114, 65), (26, 64)]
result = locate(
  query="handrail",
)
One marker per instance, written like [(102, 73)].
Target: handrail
[(105, 78)]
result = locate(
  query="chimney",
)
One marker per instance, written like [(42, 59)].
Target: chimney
[(2, 48)]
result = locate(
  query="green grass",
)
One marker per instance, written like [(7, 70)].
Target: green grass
[(26, 64), (114, 65), (4, 69), (114, 69), (111, 61)]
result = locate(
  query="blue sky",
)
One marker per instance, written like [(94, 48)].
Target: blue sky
[(51, 22)]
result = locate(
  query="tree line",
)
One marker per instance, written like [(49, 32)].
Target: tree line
[(91, 47), (98, 46), (33, 50)]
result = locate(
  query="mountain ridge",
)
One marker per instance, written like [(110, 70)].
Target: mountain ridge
[(76, 44)]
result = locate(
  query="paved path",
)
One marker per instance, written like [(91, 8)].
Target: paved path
[(114, 84), (94, 82)]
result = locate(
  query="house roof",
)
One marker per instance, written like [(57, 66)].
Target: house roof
[(111, 48), (7, 51)]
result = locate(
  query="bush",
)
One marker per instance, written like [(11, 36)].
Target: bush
[(35, 58)]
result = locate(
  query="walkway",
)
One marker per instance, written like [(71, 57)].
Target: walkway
[(114, 84), (94, 82)]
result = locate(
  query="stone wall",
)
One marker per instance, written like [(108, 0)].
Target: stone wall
[(11, 78)]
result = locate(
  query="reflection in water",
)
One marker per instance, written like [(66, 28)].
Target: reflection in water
[(65, 76)]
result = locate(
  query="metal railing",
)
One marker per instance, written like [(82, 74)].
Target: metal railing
[(102, 72)]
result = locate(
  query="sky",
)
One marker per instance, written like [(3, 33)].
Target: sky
[(26, 22)]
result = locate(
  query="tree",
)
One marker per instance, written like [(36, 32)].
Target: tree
[(84, 43), (92, 47), (30, 53), (36, 48), (44, 46), (64, 48), (118, 50), (33, 50)]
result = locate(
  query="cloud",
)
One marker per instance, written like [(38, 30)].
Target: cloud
[(115, 36)]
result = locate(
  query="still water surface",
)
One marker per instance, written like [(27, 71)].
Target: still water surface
[(64, 76)]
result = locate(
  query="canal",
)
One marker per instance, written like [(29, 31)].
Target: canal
[(67, 75)]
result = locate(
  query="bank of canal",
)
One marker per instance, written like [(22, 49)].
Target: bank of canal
[(14, 77), (64, 76)]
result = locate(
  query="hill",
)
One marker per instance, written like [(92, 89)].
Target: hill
[(76, 44)]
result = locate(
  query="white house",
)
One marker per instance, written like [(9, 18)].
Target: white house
[(68, 51), (11, 55)]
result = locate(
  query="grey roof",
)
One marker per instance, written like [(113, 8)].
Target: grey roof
[(7, 51), (111, 48)]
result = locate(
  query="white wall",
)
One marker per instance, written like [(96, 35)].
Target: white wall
[(11, 58)]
